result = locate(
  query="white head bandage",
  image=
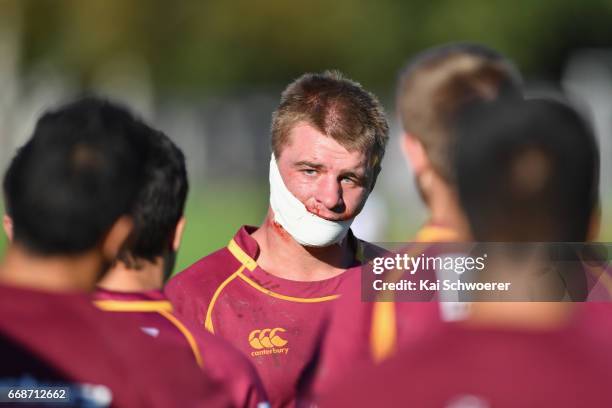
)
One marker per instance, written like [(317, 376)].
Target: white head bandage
[(305, 227)]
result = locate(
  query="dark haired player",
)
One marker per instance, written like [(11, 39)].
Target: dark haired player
[(268, 290), (432, 88), (133, 284), (510, 354), (69, 191)]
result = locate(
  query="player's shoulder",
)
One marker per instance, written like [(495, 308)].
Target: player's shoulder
[(210, 270), (82, 329)]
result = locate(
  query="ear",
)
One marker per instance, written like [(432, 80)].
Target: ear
[(414, 153), (116, 236), (178, 234), (7, 223)]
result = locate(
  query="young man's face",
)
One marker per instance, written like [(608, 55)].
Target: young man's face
[(330, 181)]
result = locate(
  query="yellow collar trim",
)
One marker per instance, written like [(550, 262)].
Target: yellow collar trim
[(250, 264), (436, 234), (134, 305), (241, 256), (162, 307)]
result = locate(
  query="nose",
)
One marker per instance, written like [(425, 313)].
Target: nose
[(329, 195)]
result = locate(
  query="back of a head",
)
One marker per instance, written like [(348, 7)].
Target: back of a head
[(74, 177), (437, 83), (527, 171), (160, 203)]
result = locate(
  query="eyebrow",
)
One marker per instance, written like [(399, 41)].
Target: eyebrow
[(309, 164), (344, 173), (351, 174)]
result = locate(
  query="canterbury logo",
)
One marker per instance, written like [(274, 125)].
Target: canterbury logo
[(267, 338)]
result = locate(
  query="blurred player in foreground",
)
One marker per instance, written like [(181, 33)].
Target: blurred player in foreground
[(69, 191), (527, 171), (134, 283), (268, 290), (433, 86)]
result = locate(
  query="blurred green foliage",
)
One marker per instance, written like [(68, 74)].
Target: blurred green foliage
[(219, 45)]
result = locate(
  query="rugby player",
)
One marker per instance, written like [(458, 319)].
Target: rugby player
[(133, 285), (68, 192), (526, 171), (433, 86), (268, 290)]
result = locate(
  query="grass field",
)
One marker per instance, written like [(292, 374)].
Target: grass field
[(214, 216)]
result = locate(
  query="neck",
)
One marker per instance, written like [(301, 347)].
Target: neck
[(520, 315), (54, 273), (282, 256), (444, 206), (146, 277), (526, 281)]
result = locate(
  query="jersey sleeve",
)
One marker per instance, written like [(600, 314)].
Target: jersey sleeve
[(180, 291), (192, 290)]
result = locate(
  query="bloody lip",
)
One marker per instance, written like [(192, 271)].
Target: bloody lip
[(317, 212)]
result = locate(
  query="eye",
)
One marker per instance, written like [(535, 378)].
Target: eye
[(309, 172), (347, 180)]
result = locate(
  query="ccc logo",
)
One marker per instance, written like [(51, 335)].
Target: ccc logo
[(267, 338)]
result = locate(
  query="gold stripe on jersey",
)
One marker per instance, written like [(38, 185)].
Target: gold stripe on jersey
[(241, 256), (432, 233), (163, 307), (285, 297), (383, 329), (188, 336), (250, 264), (383, 333), (208, 322), (133, 305)]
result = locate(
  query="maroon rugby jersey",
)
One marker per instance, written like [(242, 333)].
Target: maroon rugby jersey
[(459, 366), (275, 322), (71, 339), (372, 331), (153, 314)]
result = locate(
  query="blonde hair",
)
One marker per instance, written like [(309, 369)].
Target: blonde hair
[(337, 107), (437, 84)]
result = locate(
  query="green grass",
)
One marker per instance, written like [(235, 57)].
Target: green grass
[(215, 214)]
